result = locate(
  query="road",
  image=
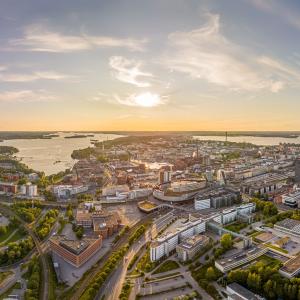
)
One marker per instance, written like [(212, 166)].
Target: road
[(115, 282), (45, 267), (121, 242)]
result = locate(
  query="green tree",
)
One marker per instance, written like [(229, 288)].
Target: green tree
[(226, 241)]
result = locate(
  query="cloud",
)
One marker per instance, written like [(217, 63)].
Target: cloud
[(146, 99), (279, 9), (2, 68), (128, 71), (206, 54), (100, 97), (42, 75), (26, 96), (40, 39)]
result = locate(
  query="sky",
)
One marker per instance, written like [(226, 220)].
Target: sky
[(149, 65)]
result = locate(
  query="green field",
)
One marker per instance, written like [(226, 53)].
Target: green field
[(166, 266)]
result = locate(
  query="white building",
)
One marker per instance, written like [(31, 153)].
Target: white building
[(139, 193), (29, 190), (65, 191), (167, 242), (202, 203)]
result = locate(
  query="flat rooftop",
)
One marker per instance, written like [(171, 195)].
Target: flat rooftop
[(193, 241), (292, 265), (288, 224), (245, 293), (239, 256), (74, 246)]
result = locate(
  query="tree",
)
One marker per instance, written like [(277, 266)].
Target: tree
[(226, 241), (210, 274)]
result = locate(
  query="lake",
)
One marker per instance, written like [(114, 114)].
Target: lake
[(256, 140), (53, 155)]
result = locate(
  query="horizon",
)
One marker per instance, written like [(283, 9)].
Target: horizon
[(172, 65)]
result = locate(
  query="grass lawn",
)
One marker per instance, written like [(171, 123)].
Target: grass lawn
[(166, 266), (269, 261), (236, 227), (4, 275), (276, 248), (9, 231)]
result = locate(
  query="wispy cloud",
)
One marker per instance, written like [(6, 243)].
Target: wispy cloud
[(38, 38), (279, 9), (146, 99), (205, 53), (42, 75), (26, 96), (128, 71)]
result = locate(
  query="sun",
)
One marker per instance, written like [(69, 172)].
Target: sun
[(147, 99)]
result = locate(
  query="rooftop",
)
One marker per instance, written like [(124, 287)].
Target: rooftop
[(245, 293)]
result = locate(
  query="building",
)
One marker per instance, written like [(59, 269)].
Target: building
[(291, 199), (201, 203), (291, 268), (263, 184), (242, 213), (29, 190), (106, 223), (73, 251), (179, 191), (103, 222), (297, 170), (114, 190), (216, 198), (180, 231), (8, 187), (165, 177), (238, 292), (139, 193), (245, 256), (187, 249), (66, 191), (289, 226)]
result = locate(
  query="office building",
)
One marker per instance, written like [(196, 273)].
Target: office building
[(178, 232), (73, 251), (66, 191), (187, 249), (245, 256)]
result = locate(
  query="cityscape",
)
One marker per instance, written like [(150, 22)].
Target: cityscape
[(149, 150)]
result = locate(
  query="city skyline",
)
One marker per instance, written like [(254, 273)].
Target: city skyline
[(159, 65)]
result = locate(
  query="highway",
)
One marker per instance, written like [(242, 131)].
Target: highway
[(45, 267)]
